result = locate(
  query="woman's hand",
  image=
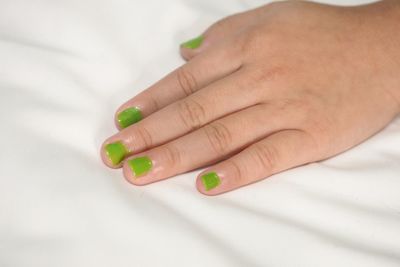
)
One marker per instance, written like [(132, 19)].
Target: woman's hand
[(264, 91)]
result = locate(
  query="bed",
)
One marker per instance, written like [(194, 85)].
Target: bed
[(66, 65)]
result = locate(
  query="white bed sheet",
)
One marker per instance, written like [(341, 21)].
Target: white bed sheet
[(65, 66)]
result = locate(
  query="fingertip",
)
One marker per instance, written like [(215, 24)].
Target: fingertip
[(209, 183), (188, 54), (127, 116), (201, 188), (113, 153), (106, 160), (128, 174), (116, 122), (193, 47), (137, 170), (117, 113), (104, 157)]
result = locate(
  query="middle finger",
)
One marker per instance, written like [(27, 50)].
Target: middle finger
[(219, 99)]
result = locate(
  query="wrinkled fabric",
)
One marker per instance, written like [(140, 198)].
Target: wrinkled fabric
[(65, 66)]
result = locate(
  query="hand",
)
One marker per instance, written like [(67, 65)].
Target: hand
[(264, 91)]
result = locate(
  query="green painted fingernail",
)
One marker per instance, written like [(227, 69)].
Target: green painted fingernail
[(116, 152), (129, 116), (210, 180), (140, 166), (193, 43)]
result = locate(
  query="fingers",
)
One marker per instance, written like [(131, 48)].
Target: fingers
[(183, 117), (221, 31), (278, 152), (196, 74), (209, 144)]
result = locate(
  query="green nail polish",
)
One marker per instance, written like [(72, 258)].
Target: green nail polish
[(210, 180), (116, 152), (129, 116), (193, 43), (140, 166)]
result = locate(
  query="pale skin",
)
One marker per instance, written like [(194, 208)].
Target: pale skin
[(268, 90)]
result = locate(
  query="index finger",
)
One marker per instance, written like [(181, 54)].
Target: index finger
[(214, 64)]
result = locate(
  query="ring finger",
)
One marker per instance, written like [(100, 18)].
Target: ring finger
[(206, 145)]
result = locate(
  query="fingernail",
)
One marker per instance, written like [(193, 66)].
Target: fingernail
[(116, 152), (193, 43), (129, 116), (210, 180), (140, 166)]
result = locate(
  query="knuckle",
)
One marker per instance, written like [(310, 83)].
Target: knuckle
[(322, 133), (303, 109), (266, 156), (219, 137), (317, 149), (251, 40), (144, 137), (321, 125), (262, 75), (186, 80), (237, 174), (245, 43), (219, 24), (192, 113), (172, 155), (224, 24), (311, 110), (154, 102), (266, 40)]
